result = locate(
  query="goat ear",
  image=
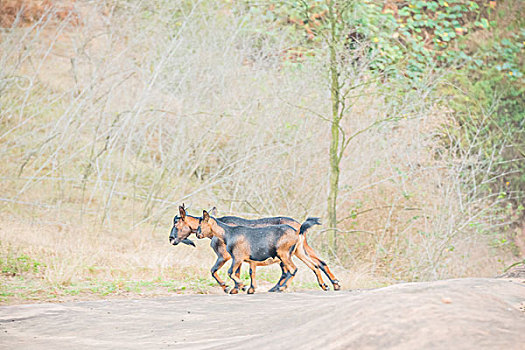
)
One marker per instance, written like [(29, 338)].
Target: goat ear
[(213, 211), (205, 216), (182, 212), (188, 242)]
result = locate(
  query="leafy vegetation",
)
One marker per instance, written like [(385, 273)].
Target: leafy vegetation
[(487, 96), (13, 263), (477, 45)]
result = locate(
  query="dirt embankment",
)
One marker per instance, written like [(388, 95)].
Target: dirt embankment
[(457, 314), (27, 12)]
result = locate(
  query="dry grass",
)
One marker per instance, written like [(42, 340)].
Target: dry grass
[(46, 260), (107, 124)]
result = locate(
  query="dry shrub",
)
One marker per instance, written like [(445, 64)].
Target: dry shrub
[(75, 253), (107, 127)]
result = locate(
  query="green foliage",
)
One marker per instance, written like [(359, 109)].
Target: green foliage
[(489, 100), (419, 36), (409, 38), (505, 56), (12, 263)]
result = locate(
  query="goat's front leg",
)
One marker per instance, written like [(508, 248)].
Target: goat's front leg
[(236, 263), (218, 264)]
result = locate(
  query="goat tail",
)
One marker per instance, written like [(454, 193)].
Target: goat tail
[(307, 224)]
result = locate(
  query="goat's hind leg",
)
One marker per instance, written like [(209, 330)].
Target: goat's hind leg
[(284, 273), (322, 265), (289, 269), (251, 290), (301, 254)]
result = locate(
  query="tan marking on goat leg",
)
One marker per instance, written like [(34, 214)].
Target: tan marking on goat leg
[(216, 275), (238, 275), (309, 261), (223, 253), (236, 263), (284, 245), (292, 269), (284, 250), (253, 284), (318, 262), (304, 258), (240, 252)]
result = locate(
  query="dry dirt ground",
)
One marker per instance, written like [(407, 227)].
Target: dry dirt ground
[(471, 313)]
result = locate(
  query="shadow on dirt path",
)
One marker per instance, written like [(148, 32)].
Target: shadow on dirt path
[(456, 314)]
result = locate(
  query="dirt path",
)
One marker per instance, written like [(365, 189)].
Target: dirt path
[(455, 314)]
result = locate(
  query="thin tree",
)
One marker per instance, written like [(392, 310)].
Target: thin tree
[(348, 61)]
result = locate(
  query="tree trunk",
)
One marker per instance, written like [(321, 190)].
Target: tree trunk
[(334, 142), (334, 186)]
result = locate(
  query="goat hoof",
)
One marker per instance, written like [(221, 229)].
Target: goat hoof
[(274, 289), (337, 286), (324, 287), (251, 290), (234, 291), (243, 288)]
